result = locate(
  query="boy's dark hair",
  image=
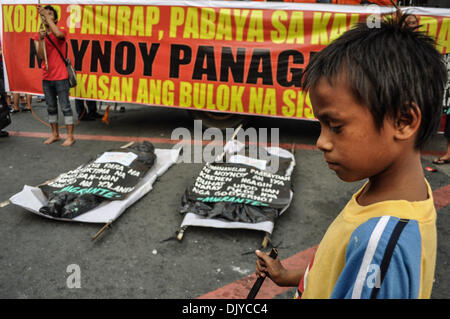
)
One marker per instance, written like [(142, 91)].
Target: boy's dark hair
[(49, 7), (387, 68)]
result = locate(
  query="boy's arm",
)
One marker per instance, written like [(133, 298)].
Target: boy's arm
[(383, 259)]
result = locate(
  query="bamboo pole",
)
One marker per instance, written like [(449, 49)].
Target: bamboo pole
[(231, 139), (43, 42), (106, 226)]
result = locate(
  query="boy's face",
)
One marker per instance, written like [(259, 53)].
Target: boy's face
[(352, 145)]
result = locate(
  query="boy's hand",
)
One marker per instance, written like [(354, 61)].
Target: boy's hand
[(265, 265)]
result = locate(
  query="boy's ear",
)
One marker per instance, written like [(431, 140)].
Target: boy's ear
[(407, 123)]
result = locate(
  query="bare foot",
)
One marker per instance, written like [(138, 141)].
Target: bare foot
[(69, 141), (52, 139)]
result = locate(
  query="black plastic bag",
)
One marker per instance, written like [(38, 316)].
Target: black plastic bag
[(232, 212)]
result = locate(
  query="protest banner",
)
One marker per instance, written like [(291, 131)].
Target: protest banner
[(221, 56)]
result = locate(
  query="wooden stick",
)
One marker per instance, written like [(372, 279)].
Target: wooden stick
[(5, 203), (43, 42), (266, 240), (235, 132), (395, 5), (232, 138), (107, 225), (127, 145), (181, 232)]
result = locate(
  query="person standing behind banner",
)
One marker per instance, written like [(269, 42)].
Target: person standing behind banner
[(55, 82), (16, 103), (5, 118), (91, 113), (445, 159)]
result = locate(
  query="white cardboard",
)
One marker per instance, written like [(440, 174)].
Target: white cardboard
[(32, 198)]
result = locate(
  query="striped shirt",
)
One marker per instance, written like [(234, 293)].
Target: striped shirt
[(383, 250)]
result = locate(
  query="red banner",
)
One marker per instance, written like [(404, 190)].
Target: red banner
[(242, 58)]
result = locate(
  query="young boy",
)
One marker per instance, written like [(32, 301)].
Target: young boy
[(377, 94), (55, 82)]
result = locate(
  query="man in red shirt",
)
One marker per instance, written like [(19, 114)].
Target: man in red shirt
[(55, 82)]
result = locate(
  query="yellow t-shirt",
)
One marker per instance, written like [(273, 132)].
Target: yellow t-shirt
[(372, 247)]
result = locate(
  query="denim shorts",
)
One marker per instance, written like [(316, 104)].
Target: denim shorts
[(57, 91)]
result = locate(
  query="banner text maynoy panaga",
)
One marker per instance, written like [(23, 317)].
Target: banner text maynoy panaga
[(244, 60)]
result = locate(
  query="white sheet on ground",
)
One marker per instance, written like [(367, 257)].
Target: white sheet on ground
[(32, 198)]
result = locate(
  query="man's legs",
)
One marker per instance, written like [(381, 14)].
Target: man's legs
[(92, 108), (62, 90), (52, 110), (55, 134), (83, 114), (28, 98), (16, 100), (70, 137), (79, 106)]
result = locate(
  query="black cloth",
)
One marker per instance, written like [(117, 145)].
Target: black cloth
[(447, 127)]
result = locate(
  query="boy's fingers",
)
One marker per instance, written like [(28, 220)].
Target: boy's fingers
[(261, 255), (264, 257), (260, 263), (260, 268)]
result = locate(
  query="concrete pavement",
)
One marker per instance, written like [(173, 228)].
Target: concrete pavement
[(129, 260)]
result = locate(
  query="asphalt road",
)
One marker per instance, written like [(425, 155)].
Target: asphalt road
[(37, 255)]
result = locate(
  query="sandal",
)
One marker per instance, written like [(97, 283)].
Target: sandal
[(26, 110), (439, 161), (14, 111)]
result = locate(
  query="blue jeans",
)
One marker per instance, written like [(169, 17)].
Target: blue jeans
[(57, 91)]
